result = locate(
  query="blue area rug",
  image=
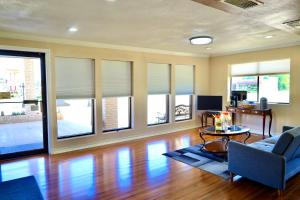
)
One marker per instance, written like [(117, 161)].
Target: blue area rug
[(209, 162), (20, 189)]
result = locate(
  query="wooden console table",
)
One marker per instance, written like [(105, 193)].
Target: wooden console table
[(263, 113)]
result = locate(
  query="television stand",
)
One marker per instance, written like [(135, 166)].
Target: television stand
[(208, 114)]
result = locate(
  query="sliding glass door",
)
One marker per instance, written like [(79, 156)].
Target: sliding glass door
[(23, 111)]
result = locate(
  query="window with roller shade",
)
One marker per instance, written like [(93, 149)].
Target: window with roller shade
[(75, 94), (184, 84), (117, 95), (158, 93), (270, 79)]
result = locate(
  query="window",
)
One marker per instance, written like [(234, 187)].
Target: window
[(183, 107), (158, 89), (158, 109), (270, 79), (116, 102), (184, 79), (246, 83), (116, 113), (74, 117), (276, 88), (75, 93)]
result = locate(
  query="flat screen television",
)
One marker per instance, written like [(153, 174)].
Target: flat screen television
[(209, 103)]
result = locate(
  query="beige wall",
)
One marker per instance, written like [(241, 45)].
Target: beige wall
[(283, 114), (140, 61)]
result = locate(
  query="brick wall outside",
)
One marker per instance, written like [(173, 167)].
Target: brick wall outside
[(110, 111)]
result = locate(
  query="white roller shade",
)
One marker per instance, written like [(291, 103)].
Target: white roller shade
[(274, 66), (116, 78), (74, 78), (184, 78), (244, 69), (158, 78)]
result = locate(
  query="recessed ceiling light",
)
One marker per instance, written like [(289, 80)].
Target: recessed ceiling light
[(268, 36), (201, 40), (111, 0), (208, 48), (73, 29)]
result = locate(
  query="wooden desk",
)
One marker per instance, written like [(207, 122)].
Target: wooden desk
[(263, 113)]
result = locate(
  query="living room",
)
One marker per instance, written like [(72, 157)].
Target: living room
[(105, 104)]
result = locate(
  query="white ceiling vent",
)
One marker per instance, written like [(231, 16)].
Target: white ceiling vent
[(245, 4), (294, 24)]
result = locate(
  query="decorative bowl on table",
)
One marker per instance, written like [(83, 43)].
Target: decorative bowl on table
[(248, 106)]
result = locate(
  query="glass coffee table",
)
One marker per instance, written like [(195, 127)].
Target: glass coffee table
[(220, 146)]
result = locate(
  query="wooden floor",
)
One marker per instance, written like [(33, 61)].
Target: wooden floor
[(135, 170)]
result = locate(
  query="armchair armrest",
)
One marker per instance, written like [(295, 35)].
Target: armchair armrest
[(258, 165)]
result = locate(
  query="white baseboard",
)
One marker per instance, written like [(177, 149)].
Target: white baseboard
[(119, 140)]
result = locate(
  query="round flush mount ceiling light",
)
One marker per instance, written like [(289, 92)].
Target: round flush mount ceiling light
[(201, 40), (73, 29)]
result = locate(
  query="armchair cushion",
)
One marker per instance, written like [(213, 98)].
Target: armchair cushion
[(261, 145), (283, 143), (272, 140), (288, 144)]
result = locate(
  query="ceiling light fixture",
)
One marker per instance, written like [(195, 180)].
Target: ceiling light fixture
[(268, 36), (73, 29), (201, 40)]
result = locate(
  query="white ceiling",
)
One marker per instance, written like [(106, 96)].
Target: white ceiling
[(155, 24)]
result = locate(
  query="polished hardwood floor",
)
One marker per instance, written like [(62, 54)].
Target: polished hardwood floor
[(135, 170)]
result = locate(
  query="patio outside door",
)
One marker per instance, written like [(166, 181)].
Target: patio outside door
[(23, 110)]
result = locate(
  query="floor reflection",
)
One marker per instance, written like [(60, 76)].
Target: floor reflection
[(157, 165), (19, 169), (75, 174), (124, 170), (182, 142)]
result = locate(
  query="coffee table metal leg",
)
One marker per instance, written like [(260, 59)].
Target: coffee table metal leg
[(249, 135), (201, 136)]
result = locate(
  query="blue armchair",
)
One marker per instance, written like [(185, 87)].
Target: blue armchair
[(271, 161)]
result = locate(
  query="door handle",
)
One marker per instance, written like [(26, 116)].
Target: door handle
[(31, 102)]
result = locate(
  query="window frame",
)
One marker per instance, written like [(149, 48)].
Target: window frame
[(129, 115), (93, 113), (258, 85), (280, 103), (254, 75), (190, 109), (167, 111)]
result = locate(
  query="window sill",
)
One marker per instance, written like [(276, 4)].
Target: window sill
[(114, 131), (184, 120), (279, 104), (75, 136), (156, 125), (269, 103)]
